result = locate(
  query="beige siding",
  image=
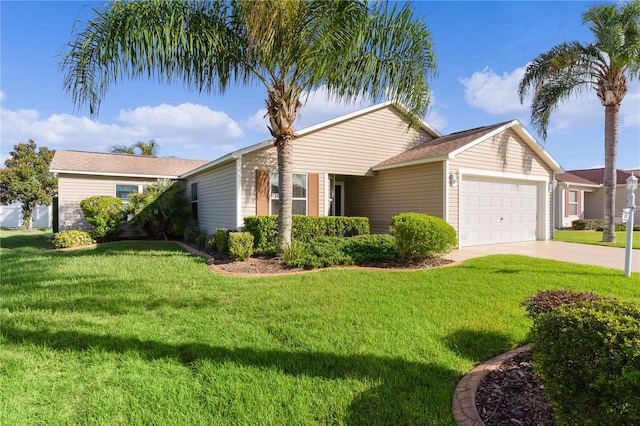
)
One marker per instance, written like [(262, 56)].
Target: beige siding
[(594, 204), (351, 147), (408, 189), (216, 198), (74, 188), (504, 153)]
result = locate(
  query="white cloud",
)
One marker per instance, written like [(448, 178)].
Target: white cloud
[(319, 107), (493, 93), (2, 95), (175, 128), (258, 121)]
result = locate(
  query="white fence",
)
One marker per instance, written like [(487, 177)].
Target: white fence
[(11, 216)]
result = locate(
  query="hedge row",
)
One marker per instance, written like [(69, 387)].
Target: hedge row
[(304, 228)]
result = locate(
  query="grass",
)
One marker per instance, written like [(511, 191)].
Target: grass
[(595, 237), (144, 333)]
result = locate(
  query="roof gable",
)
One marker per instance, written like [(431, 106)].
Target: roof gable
[(447, 147), (107, 164)]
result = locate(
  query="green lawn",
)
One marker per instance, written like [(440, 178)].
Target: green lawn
[(144, 333), (595, 237)]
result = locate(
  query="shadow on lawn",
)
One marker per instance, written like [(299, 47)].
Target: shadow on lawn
[(406, 393), (478, 345)]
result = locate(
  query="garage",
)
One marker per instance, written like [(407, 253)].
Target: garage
[(496, 211)]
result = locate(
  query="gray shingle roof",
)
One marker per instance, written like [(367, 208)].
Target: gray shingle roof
[(120, 164)]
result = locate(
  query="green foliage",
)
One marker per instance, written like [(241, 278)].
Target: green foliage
[(322, 252), (72, 238), (332, 251), (161, 210), (104, 214), (240, 245), (191, 232), (210, 243), (548, 300), (139, 148), (578, 225), (26, 179), (420, 236), (305, 228), (588, 356), (364, 249), (222, 240), (201, 240)]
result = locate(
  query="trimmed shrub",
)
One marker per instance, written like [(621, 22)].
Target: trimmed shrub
[(240, 245), (104, 214), (161, 210), (548, 300), (364, 249), (71, 238), (210, 243), (304, 228), (421, 236), (200, 240), (320, 253), (222, 240), (296, 251), (588, 357), (579, 225), (191, 232)]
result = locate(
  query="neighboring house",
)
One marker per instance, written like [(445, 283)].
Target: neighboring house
[(580, 195), (85, 174), (492, 184)]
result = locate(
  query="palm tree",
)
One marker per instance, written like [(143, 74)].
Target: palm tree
[(604, 65), (147, 148), (291, 47), (144, 148)]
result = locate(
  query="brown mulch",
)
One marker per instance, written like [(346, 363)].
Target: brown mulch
[(273, 266), (511, 395)]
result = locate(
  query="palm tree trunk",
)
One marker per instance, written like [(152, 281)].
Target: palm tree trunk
[(611, 124), (284, 146)]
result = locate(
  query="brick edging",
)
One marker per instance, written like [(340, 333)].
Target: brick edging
[(463, 402)]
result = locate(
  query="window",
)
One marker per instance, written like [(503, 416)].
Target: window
[(299, 194), (194, 200), (573, 203), (123, 191)]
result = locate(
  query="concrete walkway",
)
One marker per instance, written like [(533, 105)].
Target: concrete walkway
[(608, 257)]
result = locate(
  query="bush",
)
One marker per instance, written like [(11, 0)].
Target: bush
[(579, 225), (222, 240), (548, 300), (210, 243), (72, 238), (104, 214), (364, 249), (421, 236), (320, 253), (200, 241), (304, 228), (161, 210), (588, 357), (191, 233), (240, 245)]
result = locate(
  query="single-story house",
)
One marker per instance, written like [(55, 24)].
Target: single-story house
[(493, 184), (580, 195)]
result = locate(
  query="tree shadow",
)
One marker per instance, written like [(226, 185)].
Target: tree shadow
[(478, 345), (408, 392)]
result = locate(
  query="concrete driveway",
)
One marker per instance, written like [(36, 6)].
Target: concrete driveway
[(608, 257)]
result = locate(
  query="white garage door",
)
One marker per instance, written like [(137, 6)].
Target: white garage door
[(497, 211)]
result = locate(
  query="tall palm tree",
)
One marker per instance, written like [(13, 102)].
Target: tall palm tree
[(291, 47), (122, 149), (605, 66)]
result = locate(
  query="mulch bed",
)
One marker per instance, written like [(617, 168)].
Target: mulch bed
[(511, 395)]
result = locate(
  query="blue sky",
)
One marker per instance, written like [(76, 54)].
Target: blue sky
[(481, 50)]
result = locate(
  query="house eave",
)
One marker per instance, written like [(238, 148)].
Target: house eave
[(113, 174), (411, 163)]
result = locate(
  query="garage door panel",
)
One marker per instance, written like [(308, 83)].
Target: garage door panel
[(497, 211)]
